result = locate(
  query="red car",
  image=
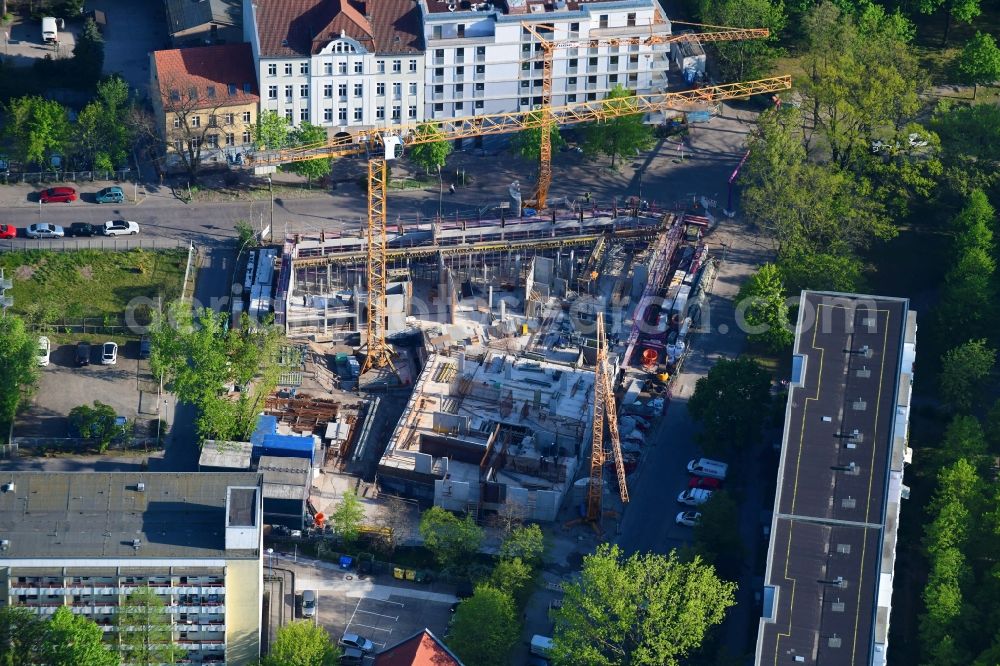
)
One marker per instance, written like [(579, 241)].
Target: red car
[(54, 194), (7, 231), (705, 482)]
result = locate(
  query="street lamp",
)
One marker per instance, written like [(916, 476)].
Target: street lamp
[(270, 553)]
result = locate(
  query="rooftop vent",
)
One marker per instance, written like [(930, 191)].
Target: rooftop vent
[(136, 543), (834, 641), (8, 487), (4, 544), (140, 487)]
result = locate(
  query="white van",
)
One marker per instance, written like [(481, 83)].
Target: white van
[(706, 467), (541, 645), (50, 33)]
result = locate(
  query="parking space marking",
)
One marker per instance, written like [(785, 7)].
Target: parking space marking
[(368, 626), (394, 618)]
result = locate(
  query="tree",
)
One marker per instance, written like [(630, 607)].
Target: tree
[(968, 294), (973, 226), (302, 643), (271, 132), (963, 439), (748, 58), (762, 303), (820, 271), (485, 627), (511, 575), (18, 365), (970, 144), (75, 640), (963, 370), (22, 636), (527, 543), (348, 516), (717, 537), (641, 610), (102, 133), (961, 10), (979, 62), (88, 53), (144, 629), (527, 144), (37, 128), (621, 136), (97, 425), (451, 539), (307, 134), (731, 403), (432, 149)]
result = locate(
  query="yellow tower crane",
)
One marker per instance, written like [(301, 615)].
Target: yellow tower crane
[(384, 144), (655, 33)]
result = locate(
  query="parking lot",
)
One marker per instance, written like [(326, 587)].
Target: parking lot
[(62, 385), (381, 609), (24, 44)]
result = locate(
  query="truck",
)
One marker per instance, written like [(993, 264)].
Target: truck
[(50, 30), (541, 646)]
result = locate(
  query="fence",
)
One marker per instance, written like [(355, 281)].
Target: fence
[(110, 325), (75, 445), (63, 176), (113, 244), (187, 287)]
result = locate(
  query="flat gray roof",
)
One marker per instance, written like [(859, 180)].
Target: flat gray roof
[(830, 511), (285, 478), (225, 455), (99, 514)]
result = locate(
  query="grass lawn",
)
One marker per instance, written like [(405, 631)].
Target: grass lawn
[(50, 286)]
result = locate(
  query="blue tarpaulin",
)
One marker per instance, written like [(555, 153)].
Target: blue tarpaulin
[(266, 442)]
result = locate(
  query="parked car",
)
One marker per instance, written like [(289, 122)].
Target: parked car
[(113, 194), (44, 349), (44, 230), (7, 231), (82, 353), (57, 194), (82, 229), (704, 482), (688, 518), (707, 467), (120, 228), (694, 496), (145, 347), (356, 642), (308, 603), (109, 353)]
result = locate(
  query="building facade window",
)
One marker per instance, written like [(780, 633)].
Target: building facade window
[(359, 89), (397, 66), (380, 89), (304, 90), (358, 115), (379, 113), (413, 66), (359, 67), (328, 68), (411, 112), (328, 90), (413, 88), (272, 92), (479, 104), (213, 140), (246, 116), (342, 90), (247, 137), (304, 68), (602, 21), (380, 66), (397, 90), (272, 69), (342, 67), (328, 115), (342, 115), (630, 19), (397, 112), (177, 122), (288, 92), (288, 115), (288, 69), (195, 121), (304, 113), (230, 139)]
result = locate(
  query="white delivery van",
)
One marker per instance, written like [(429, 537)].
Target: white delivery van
[(50, 33), (541, 645), (706, 467)]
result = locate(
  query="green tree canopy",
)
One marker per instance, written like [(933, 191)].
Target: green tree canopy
[(348, 517), (527, 144), (963, 439), (432, 149), (526, 542), (746, 59), (75, 640), (452, 540), (88, 53), (731, 403), (145, 630), (36, 128), (302, 643), (820, 271), (306, 134), (643, 610), (963, 11), (511, 575), (973, 226), (22, 636), (970, 144), (618, 137), (272, 131), (97, 424), (979, 62), (969, 292), (485, 627), (18, 365), (762, 303), (963, 370), (717, 536)]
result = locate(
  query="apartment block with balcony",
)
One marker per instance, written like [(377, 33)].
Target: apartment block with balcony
[(482, 60), (339, 64), (88, 540)]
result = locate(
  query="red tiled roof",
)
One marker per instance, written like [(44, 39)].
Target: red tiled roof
[(221, 75), (422, 649), (304, 27)]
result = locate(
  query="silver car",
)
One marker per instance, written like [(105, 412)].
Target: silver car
[(44, 230), (357, 642)]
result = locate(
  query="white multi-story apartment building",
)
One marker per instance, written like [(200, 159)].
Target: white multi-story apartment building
[(338, 64), (482, 60)]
